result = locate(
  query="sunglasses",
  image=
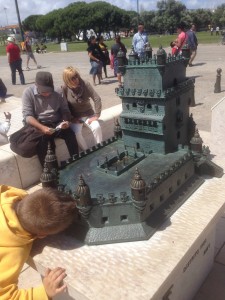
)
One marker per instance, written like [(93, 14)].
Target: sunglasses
[(74, 77)]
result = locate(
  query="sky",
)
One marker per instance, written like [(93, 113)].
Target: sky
[(8, 13)]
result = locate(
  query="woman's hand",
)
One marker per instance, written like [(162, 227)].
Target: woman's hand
[(53, 281), (64, 125), (90, 120)]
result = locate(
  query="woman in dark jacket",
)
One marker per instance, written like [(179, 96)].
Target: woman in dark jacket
[(96, 57)]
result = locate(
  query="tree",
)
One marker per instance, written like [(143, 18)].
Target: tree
[(29, 24), (218, 17), (49, 26)]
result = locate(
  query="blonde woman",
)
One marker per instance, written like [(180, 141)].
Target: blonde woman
[(78, 93)]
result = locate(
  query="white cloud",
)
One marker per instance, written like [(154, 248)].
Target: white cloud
[(34, 7)]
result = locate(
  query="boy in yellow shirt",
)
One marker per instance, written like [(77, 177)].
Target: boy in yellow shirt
[(24, 218)]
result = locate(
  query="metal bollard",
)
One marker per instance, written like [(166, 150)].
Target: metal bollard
[(217, 86)]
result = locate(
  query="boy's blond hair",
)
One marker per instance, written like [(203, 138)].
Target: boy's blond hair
[(46, 211)]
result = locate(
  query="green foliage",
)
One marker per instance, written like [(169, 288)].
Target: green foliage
[(29, 24), (101, 16)]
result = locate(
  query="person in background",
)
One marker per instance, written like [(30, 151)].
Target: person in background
[(14, 60), (174, 47), (211, 30), (182, 37), (43, 48), (37, 48), (96, 59), (78, 93), (192, 43), (22, 47), (29, 52), (217, 30), (105, 51), (114, 51), (23, 219), (45, 110), (3, 91), (4, 128), (140, 40)]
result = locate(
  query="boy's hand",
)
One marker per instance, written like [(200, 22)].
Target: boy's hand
[(53, 281), (7, 116)]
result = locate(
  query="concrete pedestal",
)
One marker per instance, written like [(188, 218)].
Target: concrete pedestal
[(171, 265)]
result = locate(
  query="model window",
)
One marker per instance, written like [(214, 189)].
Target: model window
[(105, 220), (124, 218), (161, 198)]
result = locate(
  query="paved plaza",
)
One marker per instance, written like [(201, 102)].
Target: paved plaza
[(208, 60)]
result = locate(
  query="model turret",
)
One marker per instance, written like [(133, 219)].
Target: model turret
[(83, 193), (138, 187)]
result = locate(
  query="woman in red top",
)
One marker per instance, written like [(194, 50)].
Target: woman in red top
[(182, 37), (14, 59)]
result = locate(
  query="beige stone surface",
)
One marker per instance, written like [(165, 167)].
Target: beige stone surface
[(137, 270)]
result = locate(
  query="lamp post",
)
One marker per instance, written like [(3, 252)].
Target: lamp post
[(137, 11), (19, 21), (5, 9)]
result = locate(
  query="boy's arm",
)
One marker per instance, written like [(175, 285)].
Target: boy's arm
[(4, 127)]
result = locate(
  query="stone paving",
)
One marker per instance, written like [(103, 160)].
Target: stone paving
[(208, 60)]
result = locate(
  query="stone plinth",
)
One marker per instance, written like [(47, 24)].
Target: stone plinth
[(218, 132), (174, 262)]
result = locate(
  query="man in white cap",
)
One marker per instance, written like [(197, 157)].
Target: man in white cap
[(14, 59)]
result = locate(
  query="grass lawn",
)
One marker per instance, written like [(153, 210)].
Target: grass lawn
[(155, 40)]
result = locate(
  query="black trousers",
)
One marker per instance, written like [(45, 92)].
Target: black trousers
[(17, 65), (66, 134)]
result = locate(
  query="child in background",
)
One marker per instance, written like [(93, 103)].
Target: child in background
[(4, 128), (174, 47), (24, 218)]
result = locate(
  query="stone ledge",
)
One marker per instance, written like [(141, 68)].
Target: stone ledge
[(23, 172)]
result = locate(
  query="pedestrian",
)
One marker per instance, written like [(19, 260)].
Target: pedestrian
[(96, 59), (192, 43), (217, 30), (105, 51), (29, 52), (25, 218), (14, 60), (4, 128), (211, 30), (140, 41), (3, 91), (48, 114), (78, 93), (182, 37), (114, 51)]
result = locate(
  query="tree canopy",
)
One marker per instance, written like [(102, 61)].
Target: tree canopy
[(103, 17)]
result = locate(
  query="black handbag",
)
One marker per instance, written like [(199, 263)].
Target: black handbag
[(24, 141)]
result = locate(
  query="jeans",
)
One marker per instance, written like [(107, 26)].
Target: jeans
[(17, 65)]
